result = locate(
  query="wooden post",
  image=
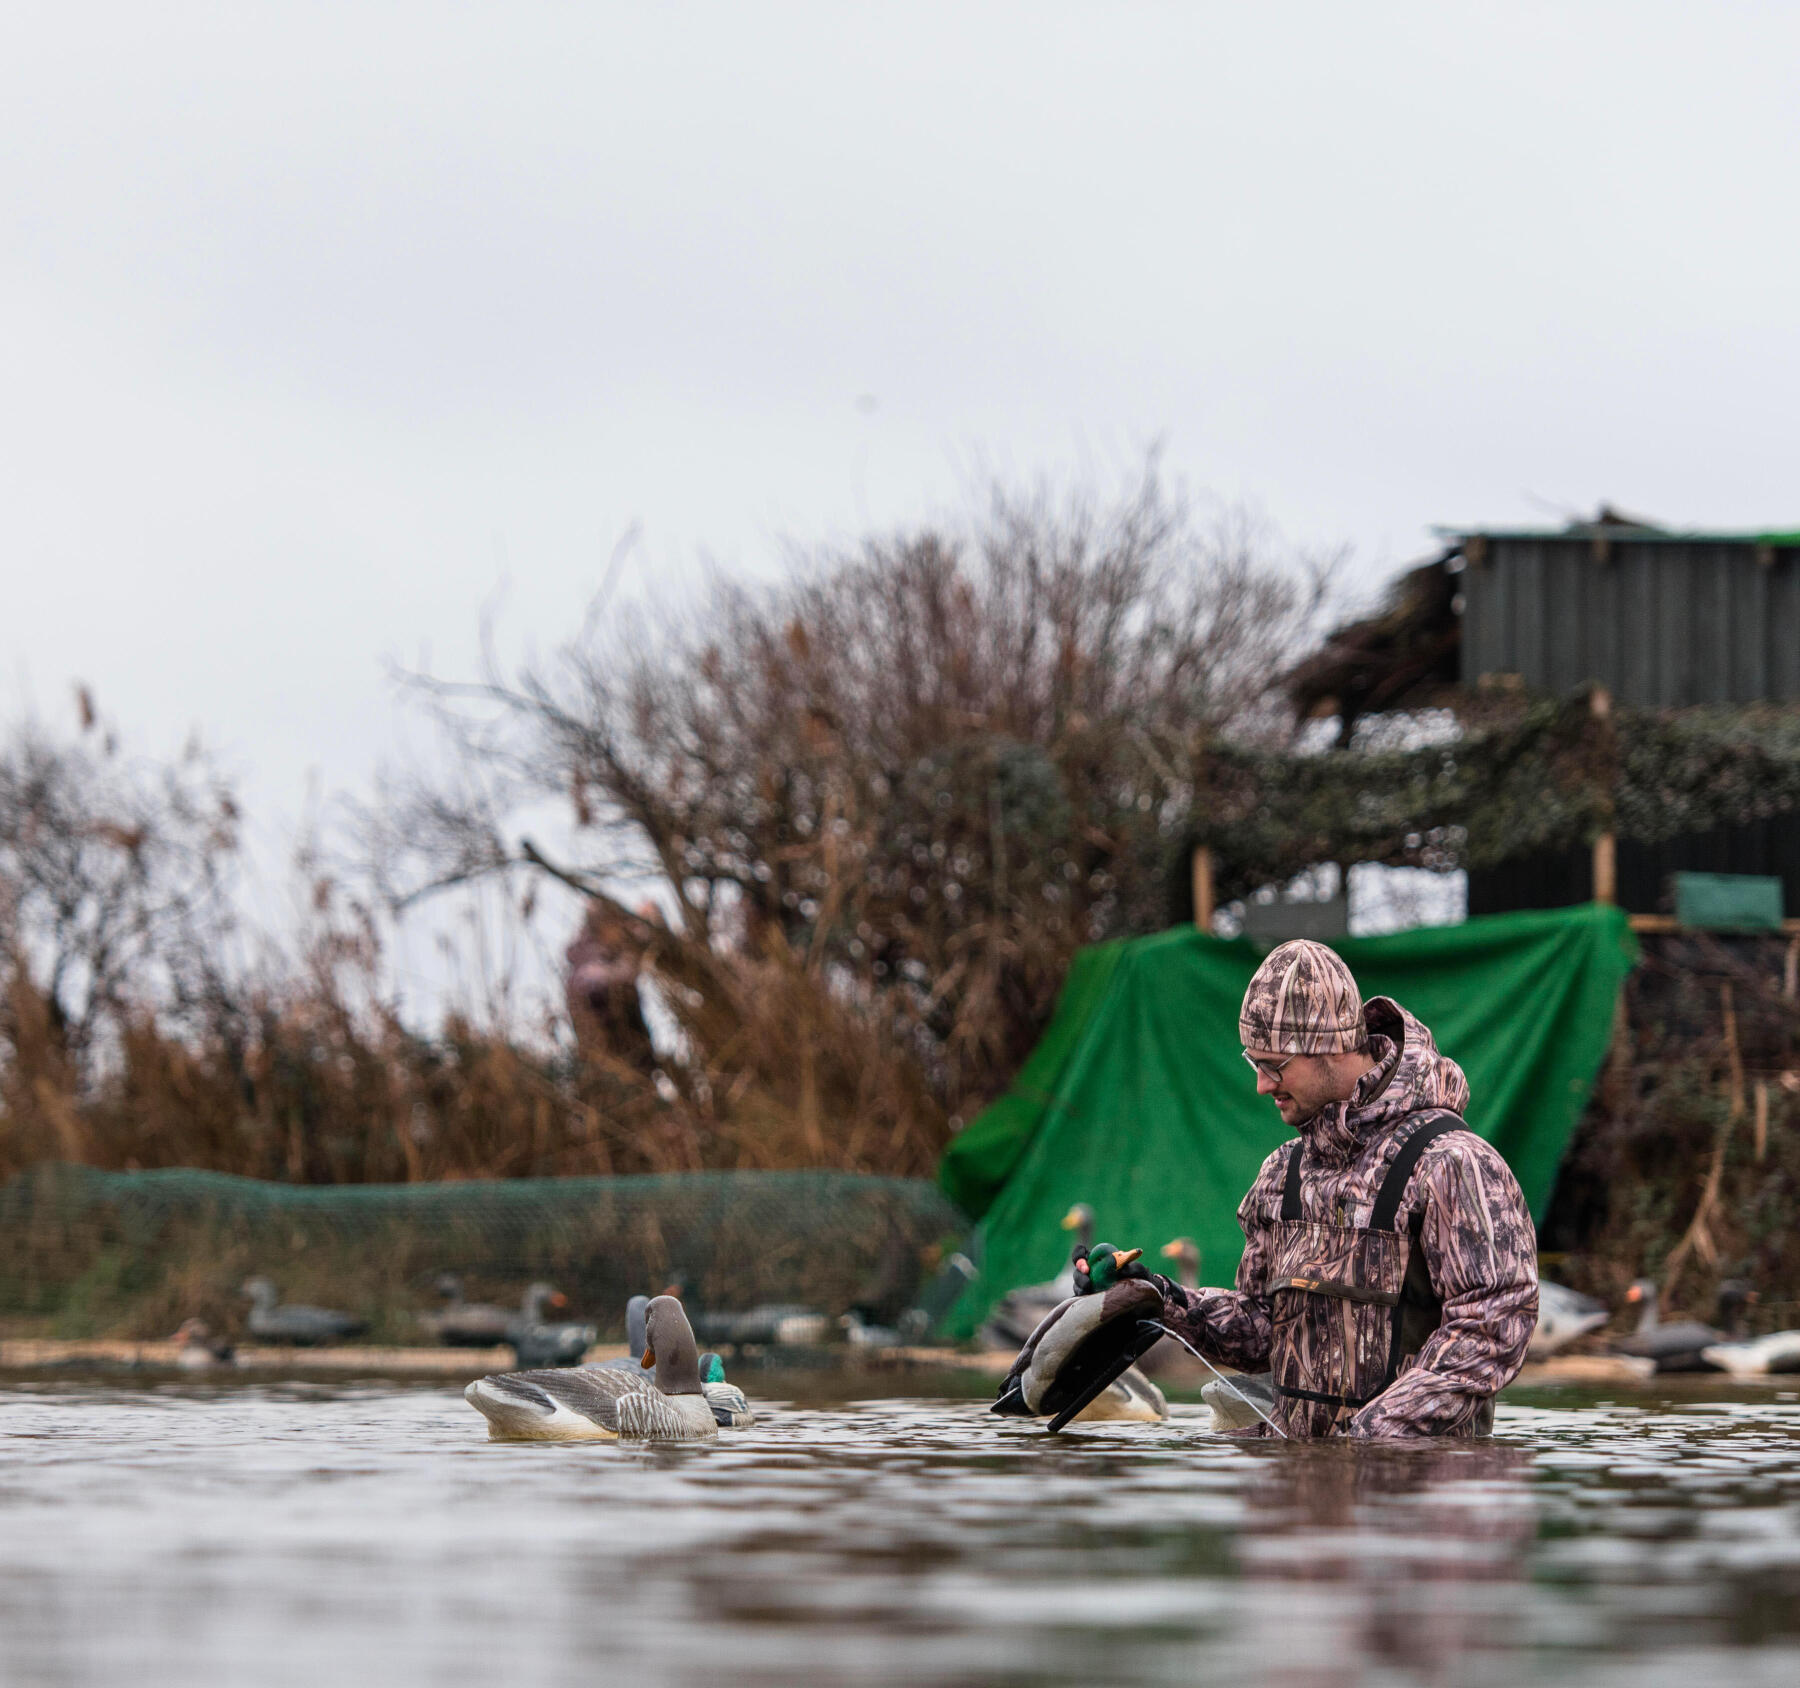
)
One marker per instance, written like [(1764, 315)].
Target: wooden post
[(1203, 887), (1606, 859)]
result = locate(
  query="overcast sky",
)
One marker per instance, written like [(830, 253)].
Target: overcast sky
[(322, 322)]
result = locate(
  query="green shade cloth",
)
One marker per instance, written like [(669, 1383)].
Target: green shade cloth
[(1138, 1101)]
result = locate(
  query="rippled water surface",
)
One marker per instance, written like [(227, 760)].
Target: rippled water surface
[(202, 1534)]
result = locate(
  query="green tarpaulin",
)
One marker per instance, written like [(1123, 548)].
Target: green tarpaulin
[(1138, 1102)]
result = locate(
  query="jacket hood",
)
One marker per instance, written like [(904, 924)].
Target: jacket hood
[(1409, 1077)]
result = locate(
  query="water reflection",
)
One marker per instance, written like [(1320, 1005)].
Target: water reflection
[(302, 1534), (1372, 1561)]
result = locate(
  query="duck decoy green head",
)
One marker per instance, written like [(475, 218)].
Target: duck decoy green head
[(712, 1369), (1106, 1265)]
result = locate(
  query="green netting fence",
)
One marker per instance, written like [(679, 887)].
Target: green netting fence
[(90, 1253)]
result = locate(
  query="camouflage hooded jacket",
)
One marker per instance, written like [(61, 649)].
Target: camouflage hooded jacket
[(1473, 1233)]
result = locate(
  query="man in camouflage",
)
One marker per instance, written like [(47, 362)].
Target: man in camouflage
[(1391, 1290)]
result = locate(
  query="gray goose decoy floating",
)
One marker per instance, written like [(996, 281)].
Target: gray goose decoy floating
[(466, 1324), (730, 1409), (604, 1403), (297, 1325), (535, 1343)]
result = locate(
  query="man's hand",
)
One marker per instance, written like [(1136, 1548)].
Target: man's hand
[(1102, 1266)]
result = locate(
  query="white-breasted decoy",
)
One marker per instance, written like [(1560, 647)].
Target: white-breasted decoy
[(664, 1402)]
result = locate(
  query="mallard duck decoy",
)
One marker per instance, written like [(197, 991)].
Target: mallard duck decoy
[(602, 1403), (1087, 1336), (730, 1407), (535, 1343), (1679, 1344), (1017, 1313), (199, 1349), (297, 1325), (465, 1324), (1563, 1315)]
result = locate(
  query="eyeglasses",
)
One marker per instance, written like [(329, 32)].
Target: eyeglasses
[(1271, 1070)]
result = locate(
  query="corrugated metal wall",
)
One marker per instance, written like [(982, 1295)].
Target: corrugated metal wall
[(1658, 623)]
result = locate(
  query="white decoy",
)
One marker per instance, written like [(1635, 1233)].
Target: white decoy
[(602, 1403), (1563, 1316), (1757, 1356)]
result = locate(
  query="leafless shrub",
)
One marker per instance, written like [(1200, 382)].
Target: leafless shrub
[(893, 793)]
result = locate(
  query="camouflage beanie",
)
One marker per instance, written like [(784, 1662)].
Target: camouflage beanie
[(1302, 1001)]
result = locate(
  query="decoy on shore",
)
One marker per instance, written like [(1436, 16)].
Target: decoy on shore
[(1018, 1313), (536, 1343), (199, 1349), (1757, 1356), (778, 1324), (1084, 1337), (863, 1335), (1563, 1316), (1680, 1344), (466, 1324), (296, 1325), (604, 1403)]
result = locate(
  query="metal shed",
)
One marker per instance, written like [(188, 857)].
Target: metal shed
[(1659, 618)]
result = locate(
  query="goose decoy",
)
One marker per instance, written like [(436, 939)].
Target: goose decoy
[(635, 1311), (939, 1296), (1757, 1356), (535, 1343), (1563, 1316), (1237, 1408), (199, 1349), (1018, 1313), (1168, 1360), (1679, 1345), (465, 1324), (1084, 1339), (602, 1403), (729, 1406), (862, 1335), (781, 1324), (298, 1326)]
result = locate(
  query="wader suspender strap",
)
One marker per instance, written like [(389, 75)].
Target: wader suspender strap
[(1381, 1218)]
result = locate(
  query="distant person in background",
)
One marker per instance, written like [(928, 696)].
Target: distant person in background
[(602, 988), (1389, 1277)]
